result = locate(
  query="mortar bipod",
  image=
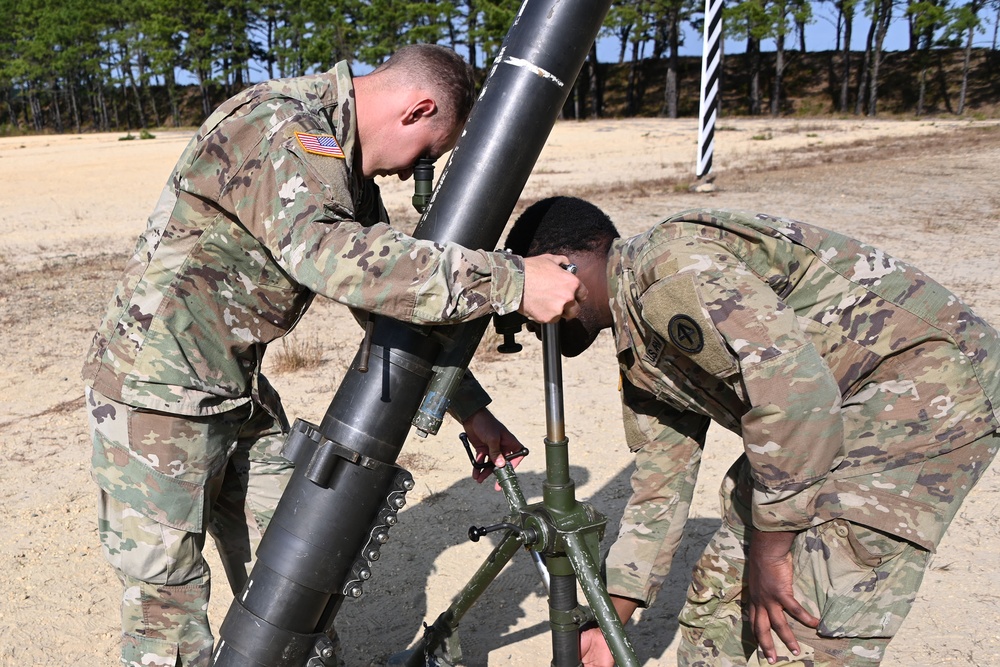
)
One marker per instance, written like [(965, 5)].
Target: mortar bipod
[(560, 532), (440, 646)]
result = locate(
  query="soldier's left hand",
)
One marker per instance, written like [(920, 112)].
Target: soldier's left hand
[(492, 442), (769, 586), (594, 650)]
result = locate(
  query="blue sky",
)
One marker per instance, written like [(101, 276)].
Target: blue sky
[(820, 36)]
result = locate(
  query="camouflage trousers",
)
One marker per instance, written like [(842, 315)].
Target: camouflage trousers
[(165, 481), (861, 584)]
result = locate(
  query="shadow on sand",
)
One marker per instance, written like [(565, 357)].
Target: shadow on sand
[(395, 606)]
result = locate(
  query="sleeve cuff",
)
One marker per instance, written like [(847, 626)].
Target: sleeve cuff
[(469, 398), (791, 509), (507, 282)]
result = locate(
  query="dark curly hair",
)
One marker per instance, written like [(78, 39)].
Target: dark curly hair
[(559, 225)]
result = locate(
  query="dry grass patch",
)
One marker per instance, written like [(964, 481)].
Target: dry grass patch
[(297, 354), (415, 462)]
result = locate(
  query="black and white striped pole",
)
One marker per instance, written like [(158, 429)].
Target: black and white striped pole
[(711, 63)]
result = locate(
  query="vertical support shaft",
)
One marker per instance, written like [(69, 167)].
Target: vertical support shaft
[(555, 413), (559, 490), (560, 502), (562, 614)]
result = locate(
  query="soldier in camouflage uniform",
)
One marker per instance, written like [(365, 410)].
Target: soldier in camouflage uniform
[(865, 393), (271, 203)]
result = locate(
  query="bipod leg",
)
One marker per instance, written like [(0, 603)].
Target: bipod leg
[(589, 576), (443, 632), (446, 625)]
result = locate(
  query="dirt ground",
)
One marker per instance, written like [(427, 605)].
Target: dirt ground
[(71, 206)]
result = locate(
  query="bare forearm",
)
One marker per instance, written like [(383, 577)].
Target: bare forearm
[(625, 607)]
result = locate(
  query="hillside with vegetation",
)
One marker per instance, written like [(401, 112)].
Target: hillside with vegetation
[(113, 65), (812, 85)]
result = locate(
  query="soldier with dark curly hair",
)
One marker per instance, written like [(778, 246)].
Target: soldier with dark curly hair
[(865, 393)]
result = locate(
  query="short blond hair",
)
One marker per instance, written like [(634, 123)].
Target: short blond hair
[(442, 70)]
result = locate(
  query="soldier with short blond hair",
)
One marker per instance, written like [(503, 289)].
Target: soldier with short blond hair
[(867, 397), (271, 203)]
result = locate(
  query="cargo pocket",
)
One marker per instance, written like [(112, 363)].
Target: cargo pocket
[(167, 500), (146, 652), (713, 622), (865, 581), (158, 464), (717, 582)]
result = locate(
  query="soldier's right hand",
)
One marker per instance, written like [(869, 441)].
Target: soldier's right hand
[(550, 291)]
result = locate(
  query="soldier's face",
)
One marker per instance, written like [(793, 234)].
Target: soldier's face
[(424, 138), (578, 334), (575, 335)]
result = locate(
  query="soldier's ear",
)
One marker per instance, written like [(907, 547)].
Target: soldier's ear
[(419, 108)]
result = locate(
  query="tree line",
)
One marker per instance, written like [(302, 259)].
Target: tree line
[(117, 64)]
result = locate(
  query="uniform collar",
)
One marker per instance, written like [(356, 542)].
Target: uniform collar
[(619, 281), (345, 116)]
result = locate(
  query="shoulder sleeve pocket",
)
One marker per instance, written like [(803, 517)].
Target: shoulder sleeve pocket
[(672, 307)]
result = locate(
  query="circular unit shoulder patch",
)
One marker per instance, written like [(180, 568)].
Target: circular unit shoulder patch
[(685, 334)]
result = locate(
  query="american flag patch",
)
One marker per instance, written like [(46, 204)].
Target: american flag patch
[(320, 144)]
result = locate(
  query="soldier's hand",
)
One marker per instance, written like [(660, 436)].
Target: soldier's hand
[(594, 650), (492, 442), (550, 291), (769, 586)]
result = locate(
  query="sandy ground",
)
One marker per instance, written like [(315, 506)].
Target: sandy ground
[(71, 206)]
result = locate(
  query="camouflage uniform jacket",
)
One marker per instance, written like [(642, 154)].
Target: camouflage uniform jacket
[(848, 374), (249, 227)]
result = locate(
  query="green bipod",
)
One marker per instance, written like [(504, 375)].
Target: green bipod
[(563, 537)]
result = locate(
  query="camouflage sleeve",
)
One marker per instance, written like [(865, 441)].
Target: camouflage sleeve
[(668, 446), (794, 431), (469, 398), (300, 207)]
